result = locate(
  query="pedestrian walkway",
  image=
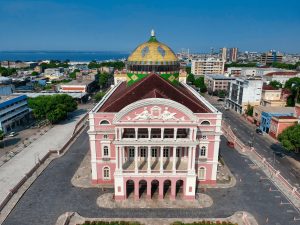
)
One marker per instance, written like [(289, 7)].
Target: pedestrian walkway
[(12, 172)]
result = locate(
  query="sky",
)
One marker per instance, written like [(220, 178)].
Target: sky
[(119, 25)]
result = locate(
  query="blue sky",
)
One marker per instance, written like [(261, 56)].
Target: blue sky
[(120, 25)]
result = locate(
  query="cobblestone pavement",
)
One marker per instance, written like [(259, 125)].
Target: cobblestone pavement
[(52, 194)]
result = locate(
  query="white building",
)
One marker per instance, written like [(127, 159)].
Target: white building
[(206, 66), (13, 110), (243, 92), (281, 76)]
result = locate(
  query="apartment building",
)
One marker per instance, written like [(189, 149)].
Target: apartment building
[(206, 66)]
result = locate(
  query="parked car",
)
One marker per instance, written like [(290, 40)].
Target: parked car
[(12, 134), (279, 154), (230, 144), (259, 131)]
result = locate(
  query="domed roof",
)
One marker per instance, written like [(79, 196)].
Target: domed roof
[(152, 52)]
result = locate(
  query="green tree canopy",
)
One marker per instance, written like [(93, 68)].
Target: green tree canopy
[(34, 73), (275, 84), (284, 65), (235, 64), (1, 135), (54, 107), (199, 83), (249, 110), (191, 78), (290, 138), (54, 64), (7, 71), (293, 85), (99, 96)]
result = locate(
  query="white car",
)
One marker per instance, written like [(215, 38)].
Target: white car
[(12, 134)]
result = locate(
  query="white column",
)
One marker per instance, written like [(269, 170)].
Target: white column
[(193, 158), (117, 157), (116, 134), (121, 158), (161, 159), (162, 133), (136, 133), (195, 134), (149, 133), (149, 159), (174, 159), (175, 133), (135, 159), (120, 133), (191, 134), (189, 158)]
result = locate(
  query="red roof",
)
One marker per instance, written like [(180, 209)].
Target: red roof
[(152, 86), (285, 117), (268, 87), (287, 73)]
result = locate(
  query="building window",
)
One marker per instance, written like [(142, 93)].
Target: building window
[(105, 151), (143, 152), (178, 152), (204, 137), (166, 152), (203, 151), (202, 173), (105, 136), (205, 122), (131, 152), (104, 122), (106, 173), (154, 152)]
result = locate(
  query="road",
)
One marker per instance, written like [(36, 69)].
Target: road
[(264, 145), (52, 194)]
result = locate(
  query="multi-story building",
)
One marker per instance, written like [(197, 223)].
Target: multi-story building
[(206, 66), (13, 111), (217, 82), (223, 54), (270, 57), (152, 132), (233, 54), (272, 96), (243, 92), (279, 123)]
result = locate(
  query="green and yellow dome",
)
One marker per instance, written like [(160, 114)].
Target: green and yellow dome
[(152, 57), (153, 52)]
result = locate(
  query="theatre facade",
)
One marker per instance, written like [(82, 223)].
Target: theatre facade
[(152, 135)]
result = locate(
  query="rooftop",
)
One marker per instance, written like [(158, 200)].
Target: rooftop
[(282, 73), (285, 118), (77, 82), (270, 109), (220, 77), (270, 88), (154, 86)]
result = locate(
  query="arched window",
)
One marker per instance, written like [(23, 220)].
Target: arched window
[(202, 173), (106, 173), (203, 151), (205, 122), (104, 122), (105, 151)]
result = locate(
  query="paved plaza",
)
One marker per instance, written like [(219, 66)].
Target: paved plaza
[(52, 194)]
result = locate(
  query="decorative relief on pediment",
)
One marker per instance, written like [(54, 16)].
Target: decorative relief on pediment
[(156, 113)]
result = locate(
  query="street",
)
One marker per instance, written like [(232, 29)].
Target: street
[(264, 145)]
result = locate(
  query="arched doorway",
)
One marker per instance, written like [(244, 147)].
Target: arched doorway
[(154, 188), (167, 187), (142, 188), (129, 188), (179, 188)]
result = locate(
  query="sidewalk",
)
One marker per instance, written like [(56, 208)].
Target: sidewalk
[(14, 171)]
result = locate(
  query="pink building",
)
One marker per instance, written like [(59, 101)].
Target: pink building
[(154, 137), (280, 123)]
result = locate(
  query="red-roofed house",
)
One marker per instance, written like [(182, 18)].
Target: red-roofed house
[(281, 76)]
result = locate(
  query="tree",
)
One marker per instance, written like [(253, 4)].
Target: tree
[(199, 83), (54, 107), (191, 78), (93, 65), (275, 84), (284, 65), (99, 96), (222, 93), (103, 79), (34, 73), (1, 135), (188, 70), (73, 74), (290, 138), (249, 110), (293, 85)]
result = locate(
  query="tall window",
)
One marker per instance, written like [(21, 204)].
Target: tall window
[(131, 152), (105, 151), (177, 152), (154, 152), (106, 173), (143, 152), (166, 152), (202, 173), (203, 151), (104, 122)]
